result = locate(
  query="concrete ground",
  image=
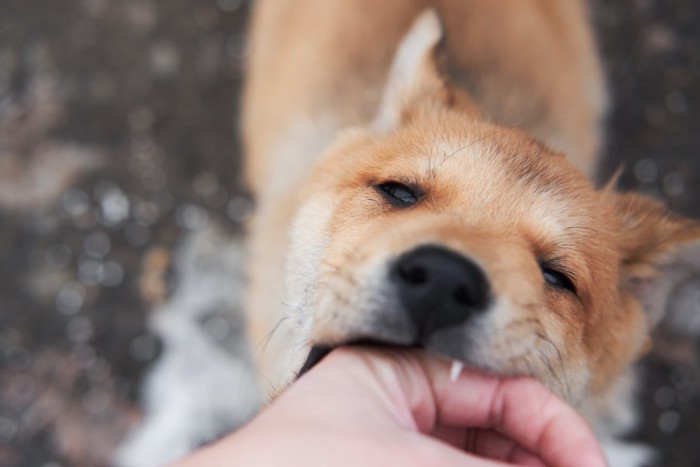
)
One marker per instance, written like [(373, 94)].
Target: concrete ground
[(118, 140)]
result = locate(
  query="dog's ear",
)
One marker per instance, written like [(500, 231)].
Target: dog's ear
[(660, 252), (416, 81)]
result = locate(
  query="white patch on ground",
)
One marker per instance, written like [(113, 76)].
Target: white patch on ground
[(203, 385), (36, 170), (35, 180), (625, 454)]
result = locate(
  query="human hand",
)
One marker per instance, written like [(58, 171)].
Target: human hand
[(379, 407)]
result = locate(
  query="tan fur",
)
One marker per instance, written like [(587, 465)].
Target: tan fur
[(328, 117)]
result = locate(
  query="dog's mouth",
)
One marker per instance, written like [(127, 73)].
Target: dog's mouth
[(318, 352)]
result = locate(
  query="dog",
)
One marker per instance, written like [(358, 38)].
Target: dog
[(422, 173)]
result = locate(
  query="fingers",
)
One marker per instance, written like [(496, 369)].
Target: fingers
[(520, 409), (493, 445), (437, 453)]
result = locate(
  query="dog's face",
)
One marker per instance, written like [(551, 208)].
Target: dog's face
[(478, 243), (469, 240)]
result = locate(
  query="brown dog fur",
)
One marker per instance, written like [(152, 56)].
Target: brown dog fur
[(343, 95)]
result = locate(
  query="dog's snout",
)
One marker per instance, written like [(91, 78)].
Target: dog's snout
[(439, 287)]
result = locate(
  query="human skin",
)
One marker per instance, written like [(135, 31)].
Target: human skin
[(379, 407)]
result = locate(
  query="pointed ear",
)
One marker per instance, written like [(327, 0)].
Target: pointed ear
[(660, 252), (416, 78)]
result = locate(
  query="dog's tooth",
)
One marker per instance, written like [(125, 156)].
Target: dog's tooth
[(455, 370)]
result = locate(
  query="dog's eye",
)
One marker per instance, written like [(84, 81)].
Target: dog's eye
[(557, 279), (398, 194)]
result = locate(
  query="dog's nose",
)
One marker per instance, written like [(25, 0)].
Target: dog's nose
[(439, 287)]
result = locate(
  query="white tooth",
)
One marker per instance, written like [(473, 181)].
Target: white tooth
[(455, 370)]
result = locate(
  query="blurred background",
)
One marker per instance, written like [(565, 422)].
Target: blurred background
[(118, 140)]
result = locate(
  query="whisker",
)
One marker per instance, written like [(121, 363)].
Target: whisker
[(557, 373), (467, 146), (581, 227), (268, 337), (273, 389)]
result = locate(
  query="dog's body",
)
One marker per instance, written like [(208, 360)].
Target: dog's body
[(397, 203)]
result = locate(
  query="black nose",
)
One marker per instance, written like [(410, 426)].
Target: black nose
[(439, 287)]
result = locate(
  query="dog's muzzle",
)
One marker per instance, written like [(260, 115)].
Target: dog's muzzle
[(437, 288)]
